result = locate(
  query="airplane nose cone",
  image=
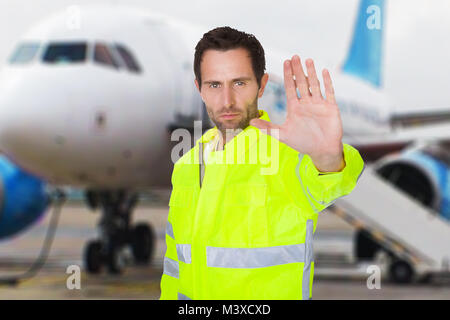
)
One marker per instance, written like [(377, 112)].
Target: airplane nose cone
[(18, 129), (23, 121)]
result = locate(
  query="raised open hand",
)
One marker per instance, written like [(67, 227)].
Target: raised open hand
[(313, 125)]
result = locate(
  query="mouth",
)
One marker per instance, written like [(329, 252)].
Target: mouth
[(229, 115)]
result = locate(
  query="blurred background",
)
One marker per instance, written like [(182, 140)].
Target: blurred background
[(415, 35), (91, 95)]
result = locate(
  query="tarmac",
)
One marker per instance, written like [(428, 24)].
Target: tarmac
[(337, 275)]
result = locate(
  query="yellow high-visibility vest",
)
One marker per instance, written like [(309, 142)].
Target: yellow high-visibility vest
[(241, 226)]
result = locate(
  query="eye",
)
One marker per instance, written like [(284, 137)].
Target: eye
[(240, 83), (214, 85)]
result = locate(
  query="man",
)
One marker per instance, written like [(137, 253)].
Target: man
[(240, 228)]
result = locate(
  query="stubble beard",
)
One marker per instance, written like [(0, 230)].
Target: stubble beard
[(226, 126)]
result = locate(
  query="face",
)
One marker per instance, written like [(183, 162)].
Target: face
[(229, 88)]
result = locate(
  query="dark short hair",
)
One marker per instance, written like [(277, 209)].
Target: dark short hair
[(226, 38)]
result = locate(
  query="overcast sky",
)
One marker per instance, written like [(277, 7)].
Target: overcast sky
[(417, 38)]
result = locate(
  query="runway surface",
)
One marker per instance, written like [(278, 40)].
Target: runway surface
[(337, 276)]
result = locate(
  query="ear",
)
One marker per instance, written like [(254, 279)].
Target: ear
[(264, 80), (196, 84), (198, 88)]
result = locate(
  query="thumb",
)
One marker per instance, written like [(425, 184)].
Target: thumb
[(268, 127)]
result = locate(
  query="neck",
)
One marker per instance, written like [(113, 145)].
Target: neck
[(228, 134)]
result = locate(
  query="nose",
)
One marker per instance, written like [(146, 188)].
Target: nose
[(228, 97), (25, 106)]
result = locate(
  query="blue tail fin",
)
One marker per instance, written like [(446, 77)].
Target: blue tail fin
[(364, 60)]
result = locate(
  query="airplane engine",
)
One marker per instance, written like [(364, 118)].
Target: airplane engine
[(23, 199), (423, 173)]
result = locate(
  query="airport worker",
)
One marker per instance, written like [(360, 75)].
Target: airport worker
[(246, 197)]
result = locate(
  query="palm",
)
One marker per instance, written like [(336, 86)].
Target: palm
[(313, 125)]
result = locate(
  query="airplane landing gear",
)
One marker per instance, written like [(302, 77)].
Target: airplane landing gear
[(93, 256), (143, 243), (119, 243)]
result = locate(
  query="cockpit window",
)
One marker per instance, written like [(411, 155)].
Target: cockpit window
[(24, 53), (70, 52), (103, 55), (128, 58)]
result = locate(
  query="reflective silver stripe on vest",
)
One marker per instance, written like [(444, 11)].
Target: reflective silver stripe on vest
[(254, 257), (171, 267), (321, 202), (184, 253), (183, 297), (169, 230), (312, 197), (201, 164), (297, 171), (309, 257)]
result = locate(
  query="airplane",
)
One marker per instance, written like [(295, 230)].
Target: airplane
[(92, 103)]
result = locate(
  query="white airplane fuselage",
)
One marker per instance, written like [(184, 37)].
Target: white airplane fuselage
[(95, 126)]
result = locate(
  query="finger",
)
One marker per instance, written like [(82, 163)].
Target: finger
[(300, 78), (329, 90), (269, 127), (314, 83), (289, 84)]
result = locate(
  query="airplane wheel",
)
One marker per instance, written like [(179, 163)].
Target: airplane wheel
[(143, 243), (115, 261), (93, 256), (401, 272)]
